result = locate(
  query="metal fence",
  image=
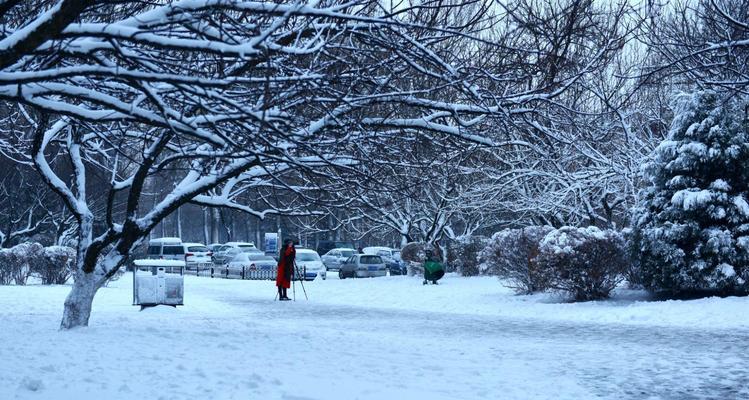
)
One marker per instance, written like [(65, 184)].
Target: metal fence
[(244, 273)]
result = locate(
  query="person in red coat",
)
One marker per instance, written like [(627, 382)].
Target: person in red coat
[(285, 269)]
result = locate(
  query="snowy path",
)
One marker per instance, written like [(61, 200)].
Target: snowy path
[(485, 357), (231, 341)]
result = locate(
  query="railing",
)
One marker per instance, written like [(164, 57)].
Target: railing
[(244, 273)]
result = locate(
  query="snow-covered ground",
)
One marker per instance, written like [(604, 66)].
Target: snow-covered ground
[(383, 338)]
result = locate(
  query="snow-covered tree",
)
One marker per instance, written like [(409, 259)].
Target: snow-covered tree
[(283, 101), (23, 208), (692, 226)]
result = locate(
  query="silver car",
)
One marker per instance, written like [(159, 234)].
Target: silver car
[(335, 257), (227, 254), (252, 265), (219, 254), (362, 266)]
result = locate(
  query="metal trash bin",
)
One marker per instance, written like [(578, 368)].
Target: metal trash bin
[(155, 282)]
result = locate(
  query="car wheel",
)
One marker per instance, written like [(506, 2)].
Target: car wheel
[(341, 275)]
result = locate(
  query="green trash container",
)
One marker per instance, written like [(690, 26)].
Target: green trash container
[(433, 271)]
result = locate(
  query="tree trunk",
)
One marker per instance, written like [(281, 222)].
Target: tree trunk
[(258, 237), (206, 233), (78, 303), (247, 230), (214, 226), (404, 240), (179, 222)]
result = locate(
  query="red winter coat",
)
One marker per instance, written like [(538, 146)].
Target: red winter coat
[(285, 267)]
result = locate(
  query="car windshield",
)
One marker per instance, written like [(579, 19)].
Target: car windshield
[(307, 257), (347, 253), (259, 257), (370, 260), (250, 250), (199, 249), (174, 250)]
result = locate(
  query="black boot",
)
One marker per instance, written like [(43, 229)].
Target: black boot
[(284, 296)]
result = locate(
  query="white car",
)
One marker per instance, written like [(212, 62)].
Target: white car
[(252, 265), (166, 248), (241, 245), (193, 254), (309, 263), (335, 257), (382, 252), (224, 253), (214, 246), (197, 254)]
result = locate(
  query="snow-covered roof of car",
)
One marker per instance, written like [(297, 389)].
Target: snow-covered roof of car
[(376, 249), (194, 244), (240, 244), (159, 263), (166, 240), (304, 250)]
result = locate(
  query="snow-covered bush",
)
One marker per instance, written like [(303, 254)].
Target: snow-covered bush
[(587, 263), (511, 255), (54, 264), (15, 263), (463, 254), (413, 252), (691, 228), (414, 255)]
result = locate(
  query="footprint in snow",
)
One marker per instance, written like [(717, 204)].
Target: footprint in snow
[(32, 385)]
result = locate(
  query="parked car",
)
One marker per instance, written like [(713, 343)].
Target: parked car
[(256, 265), (219, 254), (395, 266), (310, 264), (241, 245), (391, 257), (171, 248), (335, 257), (227, 251), (166, 248), (197, 255), (228, 254), (362, 266), (324, 246), (214, 246)]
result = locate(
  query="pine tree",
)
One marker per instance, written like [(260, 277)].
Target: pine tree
[(692, 224)]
